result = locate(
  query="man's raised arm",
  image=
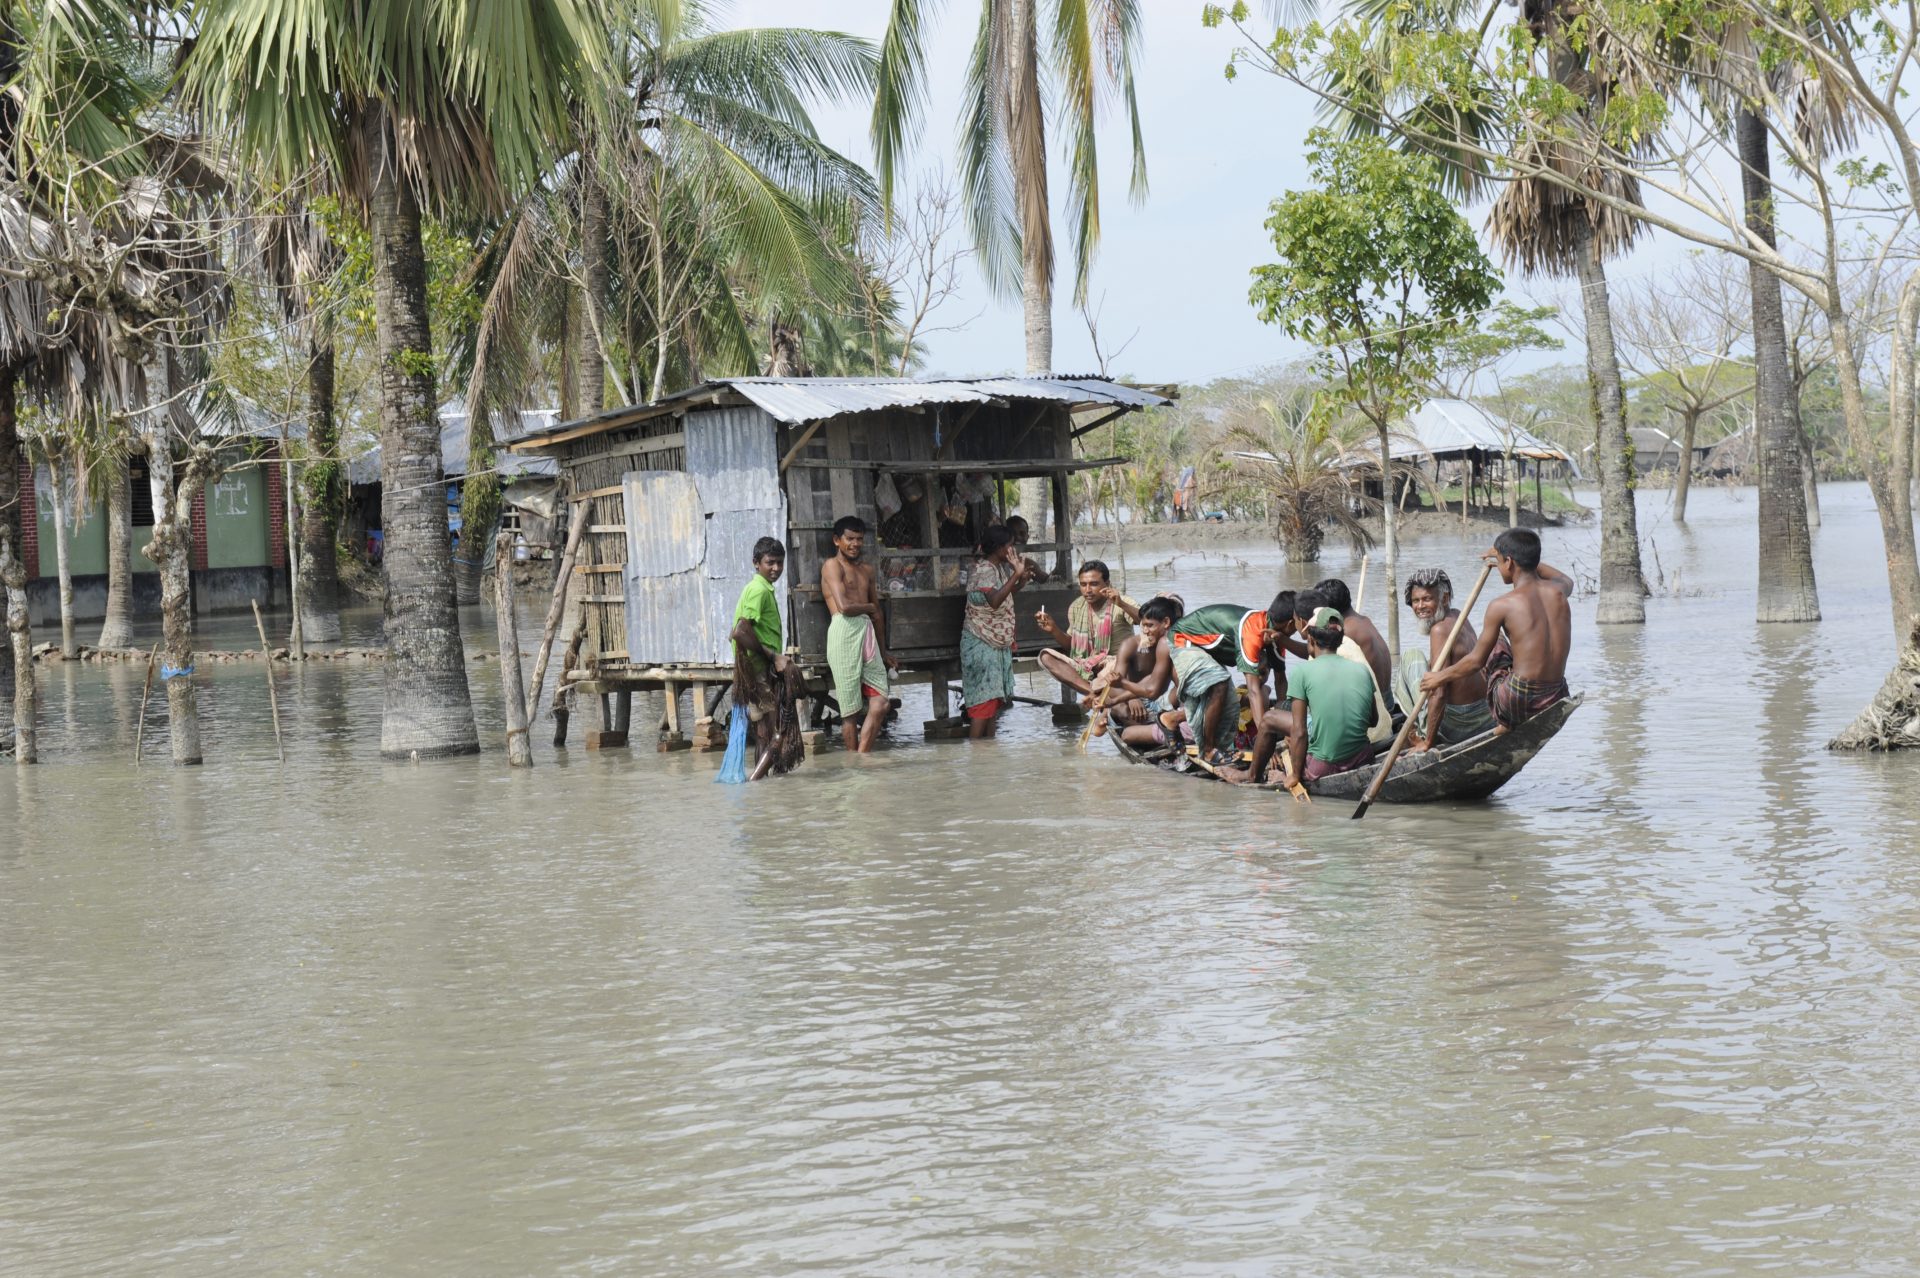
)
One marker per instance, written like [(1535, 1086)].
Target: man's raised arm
[(1555, 578)]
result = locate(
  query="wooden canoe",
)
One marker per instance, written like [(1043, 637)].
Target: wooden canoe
[(1473, 769)]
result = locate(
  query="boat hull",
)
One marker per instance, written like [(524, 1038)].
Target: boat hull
[(1473, 769)]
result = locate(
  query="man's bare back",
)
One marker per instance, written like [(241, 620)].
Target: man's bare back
[(1361, 630), (1538, 624)]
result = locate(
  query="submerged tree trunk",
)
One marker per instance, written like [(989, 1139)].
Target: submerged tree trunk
[(1623, 591), (1786, 585), (9, 499), (62, 553), (1809, 476), (1390, 522), (116, 628), (1892, 719), (1683, 478), (323, 488), (170, 551), (13, 580), (428, 709)]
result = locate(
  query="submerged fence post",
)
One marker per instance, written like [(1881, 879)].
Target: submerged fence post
[(273, 698), (519, 745)]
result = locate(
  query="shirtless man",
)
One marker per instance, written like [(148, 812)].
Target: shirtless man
[(1460, 712), (1523, 650), (1361, 630), (856, 637)]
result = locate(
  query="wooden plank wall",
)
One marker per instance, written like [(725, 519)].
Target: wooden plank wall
[(597, 464)]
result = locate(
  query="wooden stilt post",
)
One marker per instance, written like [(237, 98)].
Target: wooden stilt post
[(562, 698), (512, 690), (273, 698)]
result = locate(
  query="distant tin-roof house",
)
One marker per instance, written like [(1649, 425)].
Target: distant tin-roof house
[(1655, 450)]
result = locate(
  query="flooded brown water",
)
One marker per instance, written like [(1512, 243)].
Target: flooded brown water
[(1006, 1009)]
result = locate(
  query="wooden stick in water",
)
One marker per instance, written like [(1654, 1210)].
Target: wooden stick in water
[(1360, 595), (1406, 729), (519, 747), (273, 698), (146, 691), (557, 606)]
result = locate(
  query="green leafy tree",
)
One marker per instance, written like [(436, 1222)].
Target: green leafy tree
[(1378, 271)]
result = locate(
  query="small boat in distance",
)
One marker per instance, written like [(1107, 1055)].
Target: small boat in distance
[(1473, 769)]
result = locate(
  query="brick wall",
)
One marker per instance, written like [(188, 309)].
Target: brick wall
[(199, 523), (29, 522), (276, 511)]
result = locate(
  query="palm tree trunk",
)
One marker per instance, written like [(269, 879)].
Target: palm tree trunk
[(13, 580), (1786, 586), (170, 548), (1623, 591), (9, 499), (1809, 477), (324, 488), (62, 554), (590, 367), (116, 628), (1028, 143), (1390, 521), (1683, 477), (428, 709)]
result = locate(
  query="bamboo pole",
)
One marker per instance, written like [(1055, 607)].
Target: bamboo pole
[(519, 746), (273, 698), (146, 691), (1360, 595), (575, 530)]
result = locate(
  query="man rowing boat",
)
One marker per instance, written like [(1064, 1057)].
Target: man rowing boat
[(1529, 631)]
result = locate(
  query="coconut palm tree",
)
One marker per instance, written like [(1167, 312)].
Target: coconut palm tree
[(298, 259), (1087, 54), (444, 104)]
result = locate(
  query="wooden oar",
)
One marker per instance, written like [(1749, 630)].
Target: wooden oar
[(1360, 595), (1406, 729)]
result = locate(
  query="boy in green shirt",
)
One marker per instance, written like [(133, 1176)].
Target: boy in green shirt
[(757, 655), (1333, 707)]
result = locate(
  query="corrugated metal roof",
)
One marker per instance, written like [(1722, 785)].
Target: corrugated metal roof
[(793, 400), (1443, 426), (805, 399)]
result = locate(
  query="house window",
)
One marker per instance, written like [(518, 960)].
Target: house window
[(142, 493)]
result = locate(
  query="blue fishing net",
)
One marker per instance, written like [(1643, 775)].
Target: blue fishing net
[(733, 768)]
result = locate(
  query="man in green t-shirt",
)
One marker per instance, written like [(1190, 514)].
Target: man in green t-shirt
[(1333, 707), (757, 655)]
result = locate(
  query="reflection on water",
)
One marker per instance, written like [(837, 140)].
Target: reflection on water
[(996, 1009)]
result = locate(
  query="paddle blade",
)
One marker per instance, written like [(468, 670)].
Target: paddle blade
[(1361, 810), (733, 768)]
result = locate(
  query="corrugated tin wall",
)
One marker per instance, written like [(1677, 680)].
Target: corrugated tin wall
[(690, 537)]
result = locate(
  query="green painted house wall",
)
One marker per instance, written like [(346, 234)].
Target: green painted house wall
[(237, 519), (86, 541)]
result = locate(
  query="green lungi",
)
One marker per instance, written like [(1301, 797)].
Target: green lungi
[(853, 655), (1457, 723)]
